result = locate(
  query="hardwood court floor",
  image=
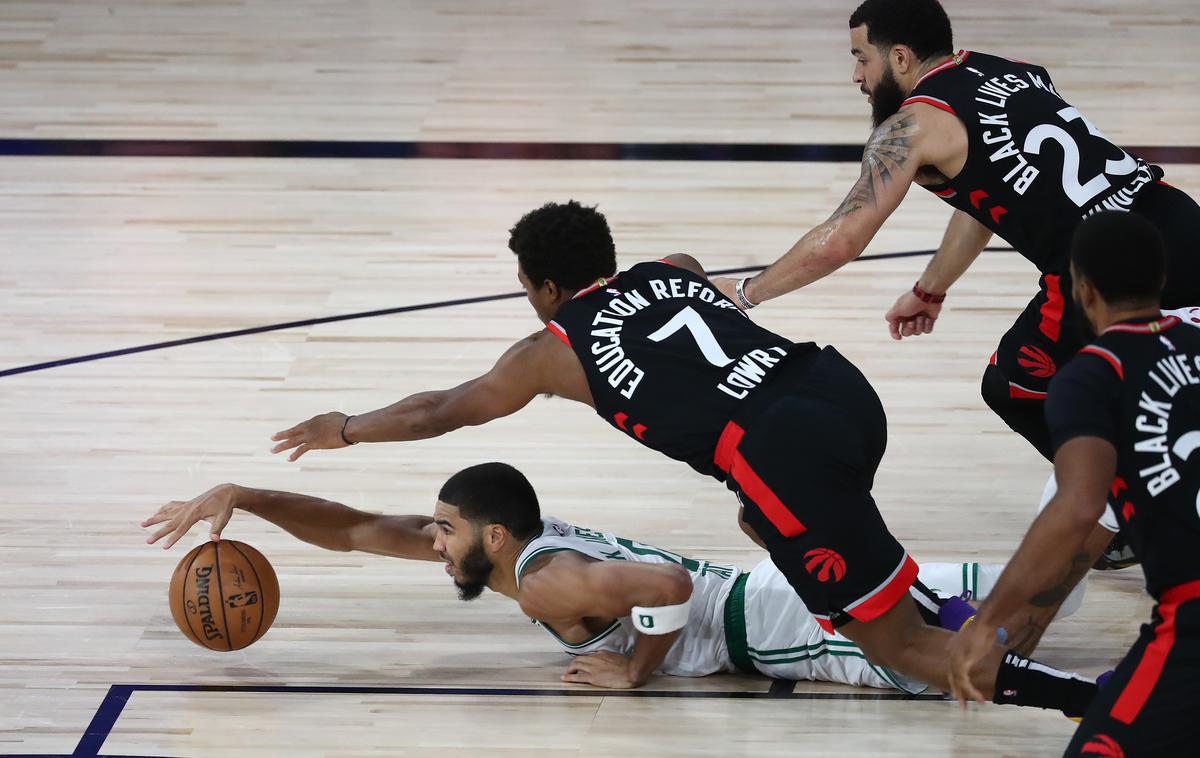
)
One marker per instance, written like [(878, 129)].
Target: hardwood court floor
[(99, 254)]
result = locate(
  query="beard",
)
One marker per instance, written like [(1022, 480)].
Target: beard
[(886, 98), (476, 569)]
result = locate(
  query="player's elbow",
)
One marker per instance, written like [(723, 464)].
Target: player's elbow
[(1081, 510), (842, 247), (675, 585)]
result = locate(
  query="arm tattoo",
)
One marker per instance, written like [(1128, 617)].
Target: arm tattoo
[(1025, 639), (1052, 596), (887, 151)]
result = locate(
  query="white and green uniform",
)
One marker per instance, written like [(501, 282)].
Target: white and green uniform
[(751, 622)]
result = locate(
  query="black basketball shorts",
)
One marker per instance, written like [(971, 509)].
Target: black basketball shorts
[(1152, 702), (803, 465)]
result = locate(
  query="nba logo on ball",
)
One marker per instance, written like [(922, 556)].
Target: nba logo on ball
[(825, 564), (224, 595)]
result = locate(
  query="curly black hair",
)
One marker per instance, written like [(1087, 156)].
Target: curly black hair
[(922, 25), (565, 243)]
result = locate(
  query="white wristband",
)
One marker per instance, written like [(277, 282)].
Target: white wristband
[(661, 619)]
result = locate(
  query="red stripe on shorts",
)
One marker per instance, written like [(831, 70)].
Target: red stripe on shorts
[(883, 598), (728, 459), (1052, 309), (1017, 392), (1154, 658)]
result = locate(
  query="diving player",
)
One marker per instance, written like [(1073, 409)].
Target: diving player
[(795, 431), (581, 584)]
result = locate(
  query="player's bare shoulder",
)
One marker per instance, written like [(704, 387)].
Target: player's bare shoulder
[(548, 580), (553, 359), (934, 138)]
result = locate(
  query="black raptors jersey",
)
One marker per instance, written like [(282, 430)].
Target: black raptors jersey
[(1035, 165), (668, 359), (1138, 386)]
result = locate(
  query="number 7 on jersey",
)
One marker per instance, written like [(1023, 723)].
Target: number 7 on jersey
[(688, 318)]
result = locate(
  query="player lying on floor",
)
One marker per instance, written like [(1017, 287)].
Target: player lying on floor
[(623, 609)]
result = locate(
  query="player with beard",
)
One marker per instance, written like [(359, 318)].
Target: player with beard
[(589, 590), (993, 138), (793, 430), (1124, 417)]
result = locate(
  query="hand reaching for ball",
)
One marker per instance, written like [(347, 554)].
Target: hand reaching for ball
[(177, 517)]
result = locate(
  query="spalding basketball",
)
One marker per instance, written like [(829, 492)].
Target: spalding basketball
[(224, 595)]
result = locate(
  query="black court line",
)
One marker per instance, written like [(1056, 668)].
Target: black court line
[(364, 314), (117, 698), (548, 151)]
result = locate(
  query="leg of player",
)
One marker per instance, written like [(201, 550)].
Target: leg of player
[(1025, 416), (1024, 629), (899, 639), (974, 582)]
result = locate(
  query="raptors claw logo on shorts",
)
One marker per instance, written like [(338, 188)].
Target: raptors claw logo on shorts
[(825, 564), (1102, 746), (1036, 362)]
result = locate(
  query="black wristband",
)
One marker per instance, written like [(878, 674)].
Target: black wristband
[(344, 425)]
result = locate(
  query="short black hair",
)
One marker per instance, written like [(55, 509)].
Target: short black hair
[(565, 243), (922, 25), (1122, 255), (494, 493)]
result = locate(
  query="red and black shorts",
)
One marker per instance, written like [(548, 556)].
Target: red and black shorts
[(1152, 702), (1045, 336), (1051, 330), (803, 464)]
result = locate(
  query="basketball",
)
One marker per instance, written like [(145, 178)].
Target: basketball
[(224, 595)]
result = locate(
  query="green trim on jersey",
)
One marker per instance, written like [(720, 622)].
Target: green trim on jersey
[(541, 551), (735, 627), (599, 636), (593, 639)]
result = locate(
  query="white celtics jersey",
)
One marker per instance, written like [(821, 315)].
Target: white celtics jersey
[(700, 649), (749, 622)]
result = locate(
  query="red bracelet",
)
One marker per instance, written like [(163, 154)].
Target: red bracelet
[(926, 297)]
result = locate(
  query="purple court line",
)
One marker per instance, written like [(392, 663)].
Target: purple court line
[(363, 314), (114, 702), (550, 151)]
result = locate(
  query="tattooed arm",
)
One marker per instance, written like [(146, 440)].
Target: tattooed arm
[(1054, 555), (890, 162)]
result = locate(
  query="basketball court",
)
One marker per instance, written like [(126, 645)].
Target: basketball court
[(220, 219)]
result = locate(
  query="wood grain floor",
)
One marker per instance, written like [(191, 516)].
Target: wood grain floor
[(99, 254)]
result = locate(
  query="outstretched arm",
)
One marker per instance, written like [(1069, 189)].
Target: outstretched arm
[(569, 587), (1051, 558), (964, 240), (319, 522), (889, 165), (517, 378)]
